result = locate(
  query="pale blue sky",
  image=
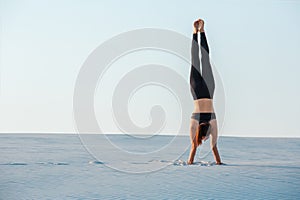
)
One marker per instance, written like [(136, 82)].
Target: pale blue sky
[(254, 45)]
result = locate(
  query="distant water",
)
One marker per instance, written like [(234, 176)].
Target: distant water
[(53, 166)]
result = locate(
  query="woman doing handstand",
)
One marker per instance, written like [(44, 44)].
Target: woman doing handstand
[(203, 121)]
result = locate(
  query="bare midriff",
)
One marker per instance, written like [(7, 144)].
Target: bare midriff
[(203, 106)]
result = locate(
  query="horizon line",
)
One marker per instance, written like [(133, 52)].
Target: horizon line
[(119, 133)]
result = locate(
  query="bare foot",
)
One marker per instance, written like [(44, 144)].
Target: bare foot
[(196, 26), (201, 26)]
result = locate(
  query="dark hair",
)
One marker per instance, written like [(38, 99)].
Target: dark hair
[(202, 131)]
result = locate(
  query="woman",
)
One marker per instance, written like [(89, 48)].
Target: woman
[(203, 120)]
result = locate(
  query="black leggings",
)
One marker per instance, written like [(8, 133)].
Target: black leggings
[(202, 86)]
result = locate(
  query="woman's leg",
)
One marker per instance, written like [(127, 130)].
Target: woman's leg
[(194, 144), (213, 140), (195, 53), (207, 72), (195, 48), (195, 73)]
